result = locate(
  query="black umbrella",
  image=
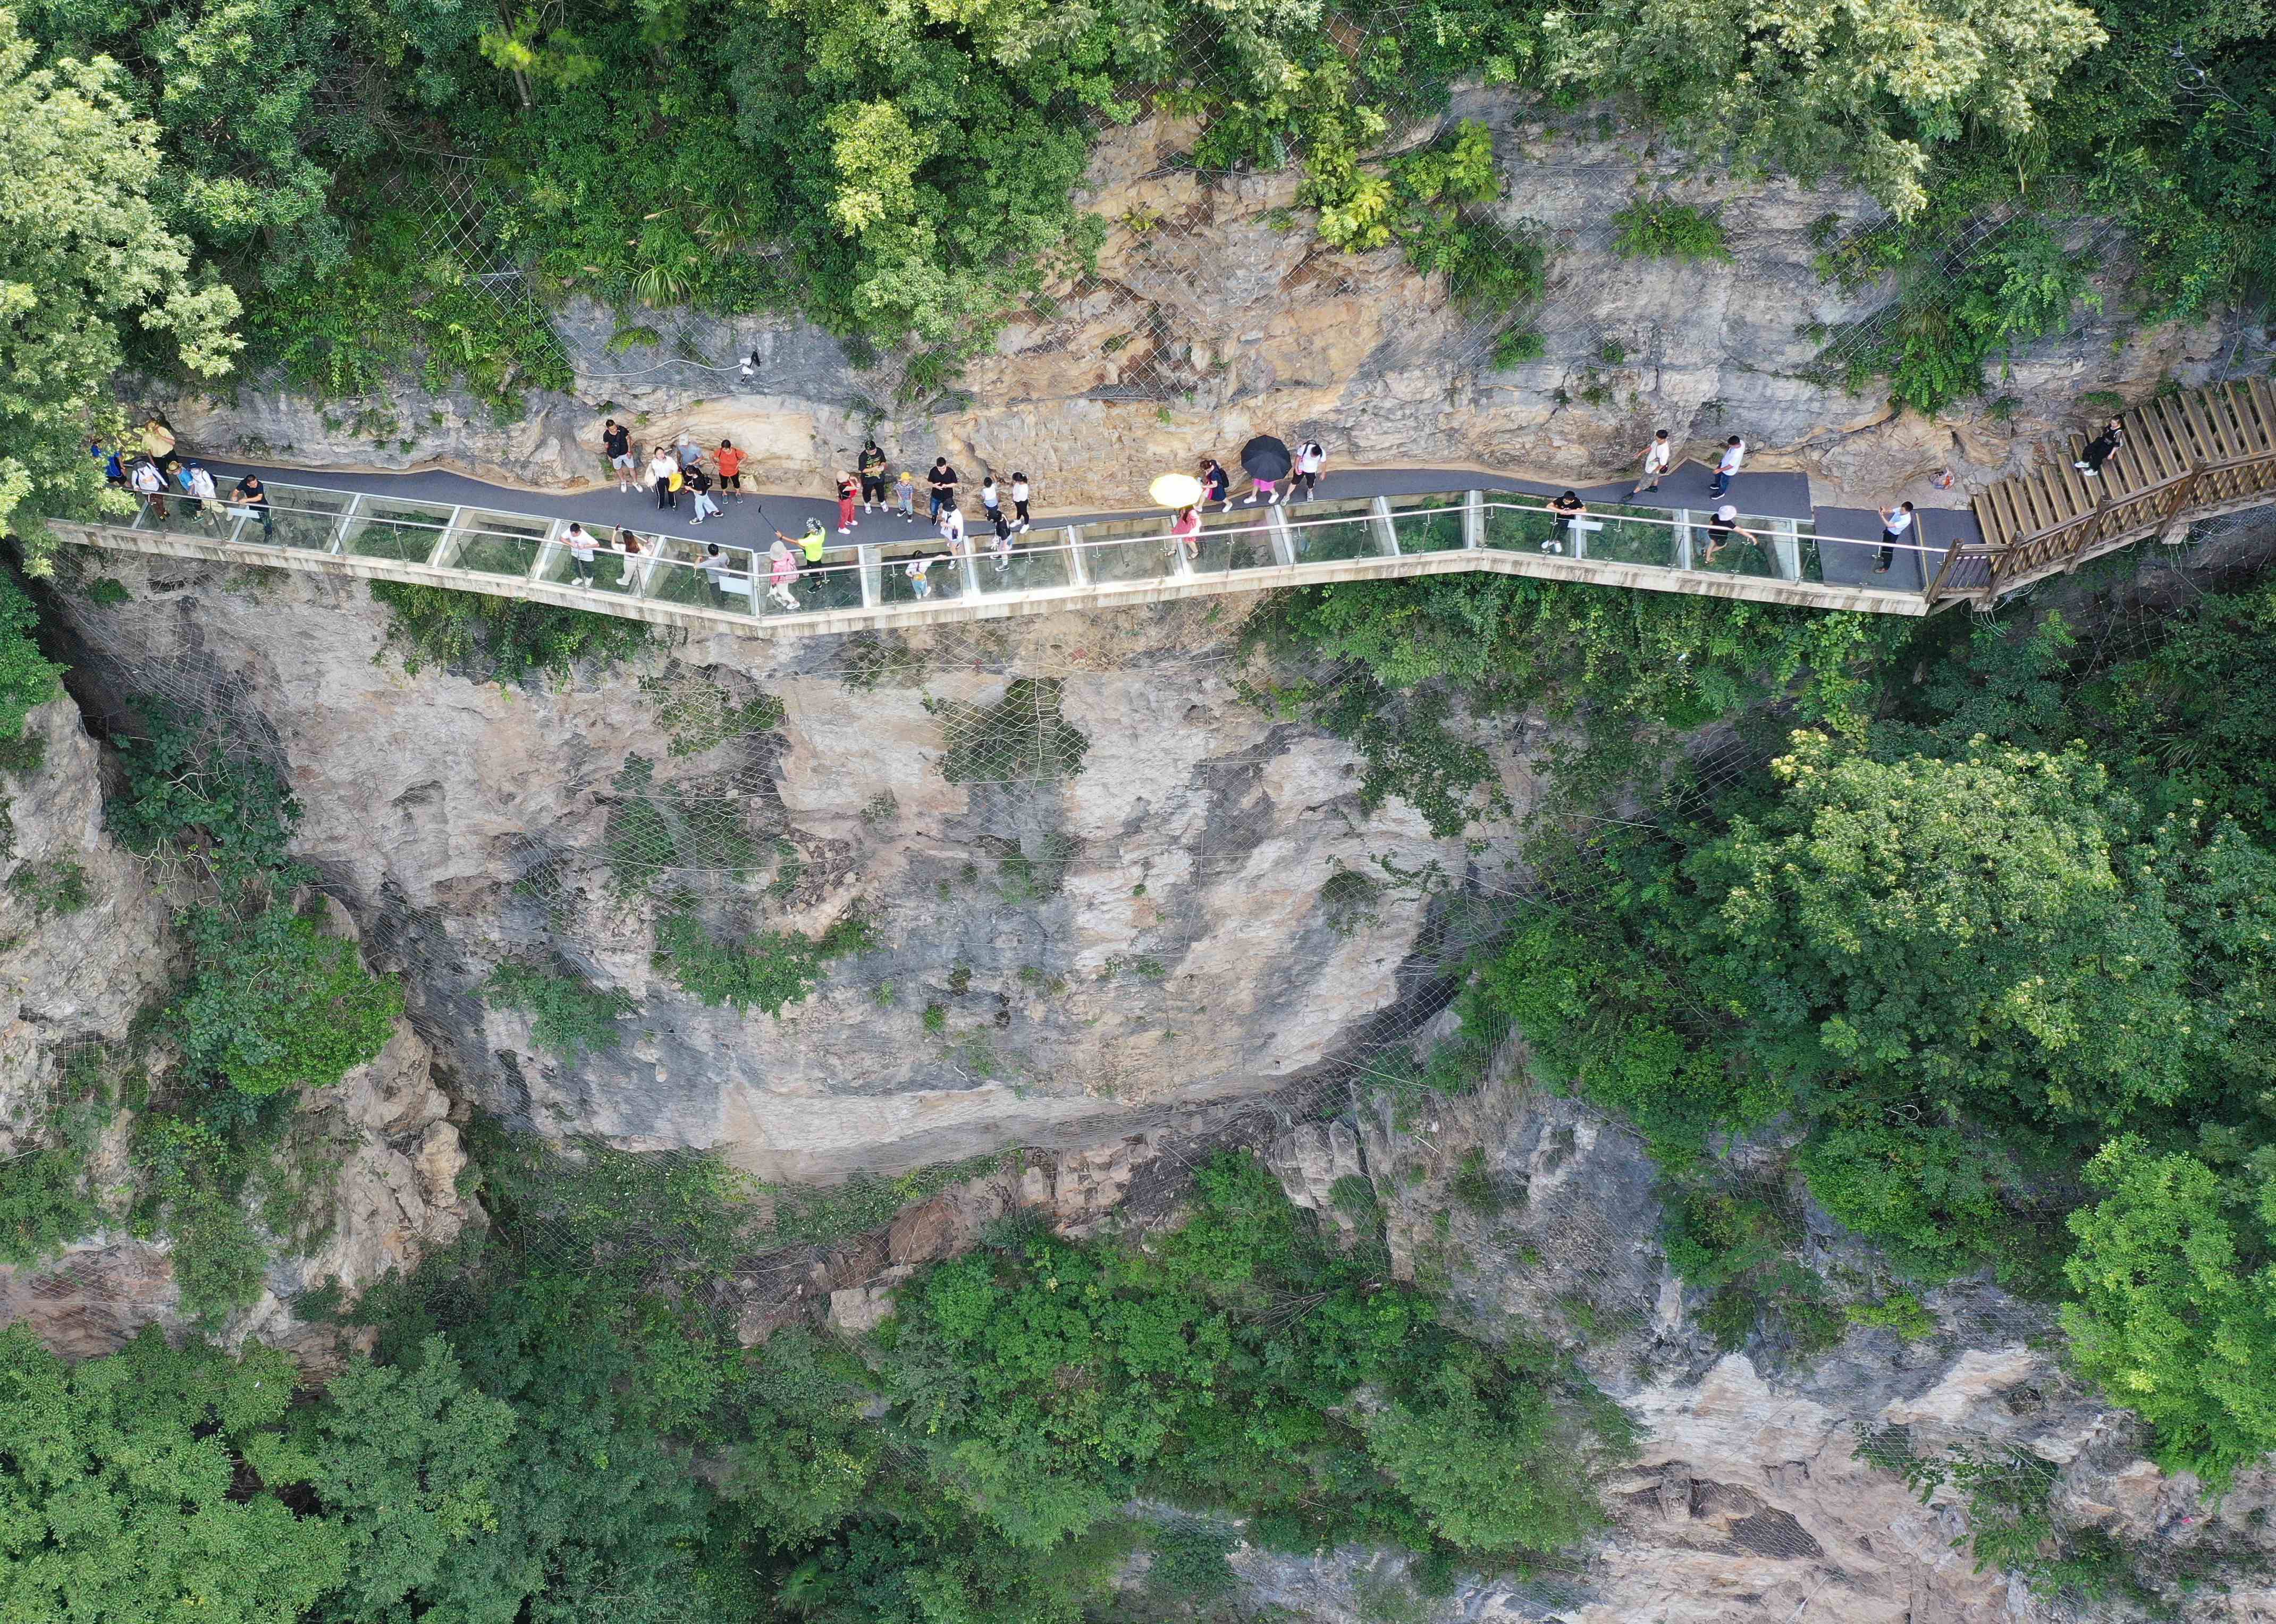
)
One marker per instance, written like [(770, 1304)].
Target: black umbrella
[(1266, 457)]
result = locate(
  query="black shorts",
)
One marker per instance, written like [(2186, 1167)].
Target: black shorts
[(872, 488)]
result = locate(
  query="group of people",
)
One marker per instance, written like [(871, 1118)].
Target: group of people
[(159, 475)]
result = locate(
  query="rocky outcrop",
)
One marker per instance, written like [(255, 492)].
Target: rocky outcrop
[(1214, 314)]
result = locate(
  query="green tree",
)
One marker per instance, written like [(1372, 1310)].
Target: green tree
[(274, 1004), (2175, 1270), (86, 258), (119, 1497), (1491, 1471)]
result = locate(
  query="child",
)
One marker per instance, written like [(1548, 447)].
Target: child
[(1185, 534), (1216, 485), (1019, 500), (848, 485), (908, 490), (991, 500), (919, 582)]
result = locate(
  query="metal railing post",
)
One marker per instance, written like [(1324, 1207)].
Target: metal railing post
[(1078, 568), (1683, 538), (873, 582), (1785, 550), (554, 532), (1283, 539), (442, 547), (1473, 518), (337, 542)]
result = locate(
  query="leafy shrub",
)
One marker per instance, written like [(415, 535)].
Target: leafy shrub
[(1518, 346), (565, 1015), (108, 591), (506, 641), (189, 786), (770, 972), (1022, 736), (273, 1004), (1652, 228), (58, 887), (27, 680), (698, 715)]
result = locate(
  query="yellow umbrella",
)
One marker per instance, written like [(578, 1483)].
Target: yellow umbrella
[(1175, 490)]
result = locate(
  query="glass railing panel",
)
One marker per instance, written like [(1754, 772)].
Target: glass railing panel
[(1428, 524), (1324, 533), (612, 571), (185, 517), (1513, 529), (679, 577), (1628, 537), (942, 579), (492, 544), (1143, 557), (1031, 563), (298, 517), (403, 531), (1228, 547)]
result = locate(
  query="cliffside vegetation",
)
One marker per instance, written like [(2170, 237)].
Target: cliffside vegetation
[(1985, 920), (532, 1440)]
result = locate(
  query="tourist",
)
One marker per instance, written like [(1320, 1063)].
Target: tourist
[(908, 493), (687, 450), (1896, 522), (202, 487), (183, 482), (663, 477), (150, 485), (943, 481), (730, 464), (919, 570), (715, 567), (1565, 510), (782, 573), (1186, 533), (1735, 452), (952, 529), (873, 476), (991, 500), (1655, 459), (2099, 449), (700, 482), (1216, 485), (1001, 551), (813, 543), (581, 554), (1311, 456), (617, 446), (1722, 528), (112, 473), (249, 498), (1269, 488), (1019, 500), (848, 485)]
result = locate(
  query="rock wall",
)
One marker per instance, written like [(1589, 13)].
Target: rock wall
[(1055, 962), (1215, 313), (77, 973)]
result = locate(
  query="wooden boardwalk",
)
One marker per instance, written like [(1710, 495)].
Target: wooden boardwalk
[(2185, 457)]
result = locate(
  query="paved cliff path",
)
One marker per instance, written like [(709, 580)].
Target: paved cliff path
[(751, 521)]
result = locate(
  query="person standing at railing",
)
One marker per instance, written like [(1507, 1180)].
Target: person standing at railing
[(617, 446), (715, 569), (581, 554), (1896, 523), (2099, 449), (782, 573), (872, 469), (1735, 452), (1186, 534), (202, 487), (1723, 528), (663, 477), (1001, 550), (149, 485), (919, 570), (1655, 459), (249, 498), (1566, 508), (1311, 458), (1020, 501), (943, 481)]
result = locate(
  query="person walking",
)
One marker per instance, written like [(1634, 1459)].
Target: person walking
[(249, 492), (908, 494), (617, 446), (1564, 510), (700, 482), (202, 487), (581, 554), (730, 464), (943, 481), (1655, 461), (1896, 524), (1735, 452), (782, 573), (150, 485), (1019, 500), (1217, 486), (183, 482), (872, 466), (1269, 488), (1722, 529), (2099, 450), (991, 499), (1185, 534), (1311, 456), (848, 486), (663, 477), (1001, 550)]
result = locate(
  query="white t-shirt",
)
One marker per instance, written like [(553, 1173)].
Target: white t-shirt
[(1898, 522), (663, 467), (201, 485), (580, 546), (1019, 491), (988, 498), (1655, 461), (147, 480), (1732, 455), (1311, 459), (951, 524)]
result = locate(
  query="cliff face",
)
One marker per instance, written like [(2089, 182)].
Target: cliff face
[(1215, 313), (85, 947), (1055, 956)]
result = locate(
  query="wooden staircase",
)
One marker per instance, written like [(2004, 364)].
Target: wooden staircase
[(2185, 457)]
